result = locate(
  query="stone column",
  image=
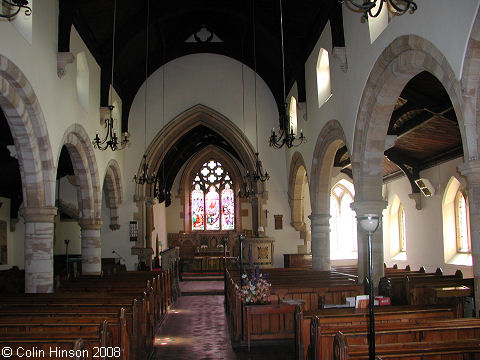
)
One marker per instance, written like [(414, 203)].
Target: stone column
[(91, 246), (363, 208), (39, 249), (471, 170), (320, 241)]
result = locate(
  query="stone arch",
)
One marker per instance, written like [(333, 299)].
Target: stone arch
[(226, 160), (37, 169), (296, 182), (30, 135), (471, 91), (191, 118), (112, 187), (81, 152), (330, 139), (404, 58), (174, 130)]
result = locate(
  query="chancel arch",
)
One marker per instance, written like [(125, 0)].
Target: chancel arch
[(329, 141), (406, 57), (173, 148), (82, 156), (37, 170)]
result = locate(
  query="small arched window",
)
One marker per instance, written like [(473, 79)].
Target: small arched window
[(292, 111), (323, 77), (401, 229), (462, 223), (212, 199), (343, 224)]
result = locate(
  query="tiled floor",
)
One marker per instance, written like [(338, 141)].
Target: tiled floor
[(196, 329)]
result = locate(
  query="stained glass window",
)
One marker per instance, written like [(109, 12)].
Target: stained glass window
[(198, 213), (212, 198), (228, 208)]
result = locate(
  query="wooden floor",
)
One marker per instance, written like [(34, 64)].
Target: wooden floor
[(196, 328)]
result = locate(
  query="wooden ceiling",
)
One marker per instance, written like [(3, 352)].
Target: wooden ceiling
[(425, 127)]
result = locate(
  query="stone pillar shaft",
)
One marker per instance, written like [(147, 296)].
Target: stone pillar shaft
[(91, 246), (39, 249), (471, 170), (320, 241)]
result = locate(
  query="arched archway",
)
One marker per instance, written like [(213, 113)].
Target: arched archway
[(174, 132), (403, 59), (330, 139), (29, 131), (112, 188), (471, 168), (81, 153), (296, 182)]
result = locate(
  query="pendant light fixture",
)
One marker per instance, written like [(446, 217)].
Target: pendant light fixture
[(370, 8), (13, 8), (144, 178), (160, 190), (111, 141), (250, 179), (285, 137)]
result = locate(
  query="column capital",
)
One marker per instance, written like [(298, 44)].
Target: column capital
[(364, 207), (150, 201), (90, 224), (320, 218), (42, 214), (471, 170)]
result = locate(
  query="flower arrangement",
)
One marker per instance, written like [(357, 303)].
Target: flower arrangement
[(255, 290)]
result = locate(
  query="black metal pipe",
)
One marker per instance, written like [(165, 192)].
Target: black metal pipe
[(371, 301)]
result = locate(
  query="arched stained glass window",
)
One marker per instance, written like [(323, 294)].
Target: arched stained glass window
[(212, 198), (228, 208)]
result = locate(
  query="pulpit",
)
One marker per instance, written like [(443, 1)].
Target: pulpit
[(261, 250)]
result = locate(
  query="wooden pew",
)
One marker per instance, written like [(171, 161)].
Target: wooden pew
[(352, 316), (281, 325), (444, 349), (313, 287), (143, 303), (322, 338), (55, 344)]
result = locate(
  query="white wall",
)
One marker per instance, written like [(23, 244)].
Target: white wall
[(424, 232)]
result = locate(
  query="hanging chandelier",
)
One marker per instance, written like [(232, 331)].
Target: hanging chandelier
[(144, 178), (285, 137), (111, 141), (250, 180), (369, 7), (13, 8)]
